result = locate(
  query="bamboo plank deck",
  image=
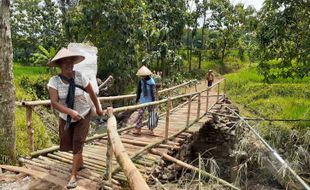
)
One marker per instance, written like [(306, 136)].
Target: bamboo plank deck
[(52, 171)]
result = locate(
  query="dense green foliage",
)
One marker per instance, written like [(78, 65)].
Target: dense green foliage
[(34, 23), (284, 39)]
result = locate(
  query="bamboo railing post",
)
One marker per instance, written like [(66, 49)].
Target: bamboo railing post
[(207, 101), (198, 107), (109, 155), (167, 118), (134, 177), (224, 91), (188, 110), (29, 127), (218, 91), (196, 87), (169, 95), (199, 174)]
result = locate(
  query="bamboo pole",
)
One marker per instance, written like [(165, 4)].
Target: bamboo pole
[(167, 119), (207, 102), (109, 79), (196, 87), (109, 161), (198, 107), (199, 174), (224, 91), (218, 91), (193, 168), (188, 110), (134, 177), (40, 175), (29, 127), (89, 139), (48, 102), (52, 149), (101, 99), (149, 146)]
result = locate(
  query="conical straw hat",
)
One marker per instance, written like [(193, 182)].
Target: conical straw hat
[(65, 53), (144, 71)]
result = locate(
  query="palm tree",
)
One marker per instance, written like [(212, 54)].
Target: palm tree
[(7, 89)]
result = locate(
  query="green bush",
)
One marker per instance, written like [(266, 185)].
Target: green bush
[(35, 85)]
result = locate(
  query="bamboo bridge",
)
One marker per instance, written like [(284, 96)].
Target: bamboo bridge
[(118, 157)]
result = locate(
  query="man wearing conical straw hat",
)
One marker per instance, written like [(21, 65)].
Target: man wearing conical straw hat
[(145, 93), (67, 93)]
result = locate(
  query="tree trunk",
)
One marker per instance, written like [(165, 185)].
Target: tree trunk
[(202, 39), (7, 89), (188, 52)]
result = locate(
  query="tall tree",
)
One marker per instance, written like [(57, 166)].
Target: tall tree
[(284, 38), (34, 23), (204, 8), (66, 6), (223, 21), (7, 89)]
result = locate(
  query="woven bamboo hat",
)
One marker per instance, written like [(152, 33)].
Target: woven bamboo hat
[(65, 53), (144, 71)]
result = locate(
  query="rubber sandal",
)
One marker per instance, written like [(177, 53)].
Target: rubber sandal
[(71, 185)]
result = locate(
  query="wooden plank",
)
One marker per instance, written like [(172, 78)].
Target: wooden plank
[(41, 175), (135, 179)]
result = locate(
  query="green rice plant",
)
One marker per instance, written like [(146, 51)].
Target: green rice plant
[(20, 70), (41, 138)]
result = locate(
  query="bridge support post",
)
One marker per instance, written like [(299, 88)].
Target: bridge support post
[(224, 91), (218, 91), (188, 110), (198, 107), (207, 101), (167, 118), (29, 127)]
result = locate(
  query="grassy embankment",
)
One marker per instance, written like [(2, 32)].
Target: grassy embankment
[(283, 99), (23, 76)]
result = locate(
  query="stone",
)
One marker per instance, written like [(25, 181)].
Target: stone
[(224, 128), (233, 133), (170, 167), (164, 176), (230, 124)]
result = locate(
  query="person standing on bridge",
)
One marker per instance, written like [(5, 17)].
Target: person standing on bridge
[(145, 93), (210, 78), (67, 94)]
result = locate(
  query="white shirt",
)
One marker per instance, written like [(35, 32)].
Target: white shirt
[(81, 104)]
